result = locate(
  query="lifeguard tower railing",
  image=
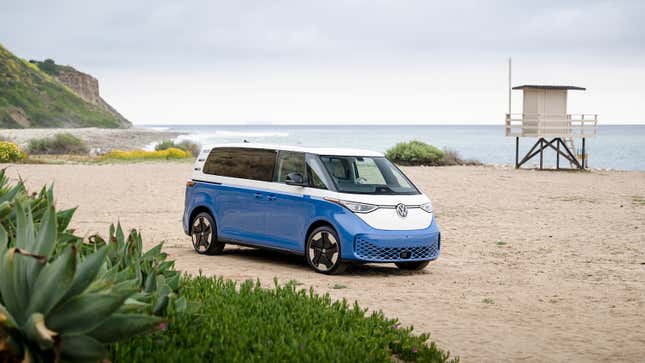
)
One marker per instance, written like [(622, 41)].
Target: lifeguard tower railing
[(544, 125), (561, 129)]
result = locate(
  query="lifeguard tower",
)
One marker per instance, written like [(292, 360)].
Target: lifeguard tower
[(544, 116)]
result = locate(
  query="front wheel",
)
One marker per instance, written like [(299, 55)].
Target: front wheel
[(323, 251), (204, 235), (414, 266)]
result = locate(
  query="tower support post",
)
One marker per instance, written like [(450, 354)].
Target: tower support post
[(517, 152)]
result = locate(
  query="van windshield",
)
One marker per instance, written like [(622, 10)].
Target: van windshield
[(366, 175)]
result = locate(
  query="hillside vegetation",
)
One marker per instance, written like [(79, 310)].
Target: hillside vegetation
[(30, 97)]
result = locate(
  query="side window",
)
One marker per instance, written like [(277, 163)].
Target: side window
[(289, 162), (245, 163)]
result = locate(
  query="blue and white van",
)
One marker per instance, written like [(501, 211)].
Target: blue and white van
[(334, 206)]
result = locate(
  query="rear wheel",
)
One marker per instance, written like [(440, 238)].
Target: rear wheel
[(415, 265), (323, 251), (204, 235)]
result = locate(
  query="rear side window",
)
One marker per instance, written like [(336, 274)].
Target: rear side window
[(245, 163)]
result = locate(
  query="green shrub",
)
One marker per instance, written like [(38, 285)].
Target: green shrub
[(10, 152), (63, 143), (185, 145), (248, 323), (415, 153), (419, 153)]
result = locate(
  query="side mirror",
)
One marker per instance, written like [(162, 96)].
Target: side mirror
[(295, 179)]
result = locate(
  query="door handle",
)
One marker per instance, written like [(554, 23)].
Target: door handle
[(258, 195), (271, 197)]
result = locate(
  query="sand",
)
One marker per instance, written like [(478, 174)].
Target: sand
[(535, 266), (95, 138)]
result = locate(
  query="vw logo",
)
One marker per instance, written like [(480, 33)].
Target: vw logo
[(401, 210)]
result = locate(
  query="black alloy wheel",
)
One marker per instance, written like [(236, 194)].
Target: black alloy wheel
[(323, 251), (204, 235)]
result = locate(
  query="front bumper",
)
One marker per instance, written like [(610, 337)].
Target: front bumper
[(376, 248), (365, 244)]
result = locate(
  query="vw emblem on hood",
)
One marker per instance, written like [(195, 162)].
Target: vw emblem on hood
[(401, 210)]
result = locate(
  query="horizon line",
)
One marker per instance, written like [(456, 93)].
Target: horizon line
[(349, 124)]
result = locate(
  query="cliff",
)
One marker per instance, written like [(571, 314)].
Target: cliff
[(87, 88), (44, 95)]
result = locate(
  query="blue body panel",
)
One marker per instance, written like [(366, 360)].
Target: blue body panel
[(280, 220)]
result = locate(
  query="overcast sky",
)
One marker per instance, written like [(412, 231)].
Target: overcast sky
[(356, 61)]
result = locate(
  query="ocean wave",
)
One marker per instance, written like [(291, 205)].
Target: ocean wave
[(157, 128), (223, 134)]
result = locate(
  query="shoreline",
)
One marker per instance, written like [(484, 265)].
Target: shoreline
[(95, 138)]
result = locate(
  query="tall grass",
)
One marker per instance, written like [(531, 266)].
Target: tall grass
[(59, 144)]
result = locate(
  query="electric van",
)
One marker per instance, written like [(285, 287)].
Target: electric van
[(334, 206)]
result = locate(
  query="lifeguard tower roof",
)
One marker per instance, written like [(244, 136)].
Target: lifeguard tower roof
[(522, 87)]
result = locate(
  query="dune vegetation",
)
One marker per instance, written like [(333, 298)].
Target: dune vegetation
[(420, 153)]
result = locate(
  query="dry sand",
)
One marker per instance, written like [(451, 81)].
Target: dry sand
[(535, 266)]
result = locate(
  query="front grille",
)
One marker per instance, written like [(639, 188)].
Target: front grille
[(366, 250)]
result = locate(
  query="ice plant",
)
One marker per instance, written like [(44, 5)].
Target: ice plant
[(57, 306)]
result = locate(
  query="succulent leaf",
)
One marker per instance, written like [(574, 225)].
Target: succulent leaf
[(124, 326), (46, 239), (36, 330), (81, 348), (5, 318), (83, 313), (7, 288), (53, 282), (86, 273)]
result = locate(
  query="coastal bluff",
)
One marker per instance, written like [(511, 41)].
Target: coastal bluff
[(35, 94), (87, 88)]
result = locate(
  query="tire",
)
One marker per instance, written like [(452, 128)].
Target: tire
[(412, 266), (322, 251), (203, 233)]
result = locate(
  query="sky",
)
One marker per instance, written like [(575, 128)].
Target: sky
[(339, 62)]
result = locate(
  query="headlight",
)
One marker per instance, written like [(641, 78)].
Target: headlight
[(426, 207), (358, 207)]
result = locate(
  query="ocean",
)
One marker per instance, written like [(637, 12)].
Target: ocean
[(615, 146)]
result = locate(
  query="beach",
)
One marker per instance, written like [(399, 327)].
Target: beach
[(535, 266), (95, 138)]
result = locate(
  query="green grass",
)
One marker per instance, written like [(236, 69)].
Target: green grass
[(45, 102), (339, 286), (500, 243), (247, 323)]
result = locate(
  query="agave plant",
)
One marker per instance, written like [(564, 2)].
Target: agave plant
[(37, 204), (126, 263), (61, 306), (158, 279)]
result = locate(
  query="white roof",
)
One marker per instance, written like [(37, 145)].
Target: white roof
[(311, 150)]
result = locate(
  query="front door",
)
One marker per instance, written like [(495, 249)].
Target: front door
[(290, 209)]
